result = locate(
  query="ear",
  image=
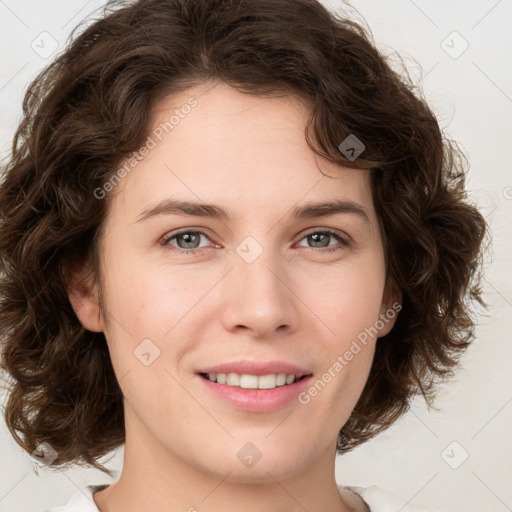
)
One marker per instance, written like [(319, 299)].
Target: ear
[(83, 297), (390, 307)]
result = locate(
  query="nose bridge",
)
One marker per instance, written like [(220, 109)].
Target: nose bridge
[(260, 299)]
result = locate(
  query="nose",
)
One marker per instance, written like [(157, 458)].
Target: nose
[(259, 298)]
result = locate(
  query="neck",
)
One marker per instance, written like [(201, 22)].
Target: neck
[(154, 478)]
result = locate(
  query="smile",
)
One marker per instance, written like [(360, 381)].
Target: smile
[(264, 393)]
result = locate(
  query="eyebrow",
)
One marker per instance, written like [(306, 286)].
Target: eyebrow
[(306, 211)]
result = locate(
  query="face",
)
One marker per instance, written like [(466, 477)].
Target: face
[(186, 291)]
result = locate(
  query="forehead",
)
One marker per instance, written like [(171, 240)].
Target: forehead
[(233, 148)]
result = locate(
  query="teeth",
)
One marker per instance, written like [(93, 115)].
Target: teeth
[(247, 381)]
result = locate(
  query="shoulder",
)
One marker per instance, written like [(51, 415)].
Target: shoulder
[(81, 501), (382, 500), (376, 499)]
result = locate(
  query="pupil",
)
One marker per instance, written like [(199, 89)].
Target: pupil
[(188, 237)]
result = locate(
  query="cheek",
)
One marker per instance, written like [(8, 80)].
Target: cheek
[(157, 310), (148, 300), (346, 297), (347, 300)]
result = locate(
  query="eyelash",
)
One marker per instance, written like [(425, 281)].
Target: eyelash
[(343, 242)]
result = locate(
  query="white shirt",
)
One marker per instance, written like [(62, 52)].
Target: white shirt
[(377, 499)]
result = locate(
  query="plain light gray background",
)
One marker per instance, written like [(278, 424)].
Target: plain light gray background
[(422, 457)]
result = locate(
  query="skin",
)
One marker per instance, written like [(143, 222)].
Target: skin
[(295, 302)]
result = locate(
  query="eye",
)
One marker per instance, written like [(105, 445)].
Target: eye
[(186, 240), (321, 238)]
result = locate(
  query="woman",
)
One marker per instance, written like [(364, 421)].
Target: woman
[(234, 241)]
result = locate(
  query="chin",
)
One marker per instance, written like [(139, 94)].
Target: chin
[(275, 465), (267, 474)]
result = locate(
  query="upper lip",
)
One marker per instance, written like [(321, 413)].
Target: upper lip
[(256, 368)]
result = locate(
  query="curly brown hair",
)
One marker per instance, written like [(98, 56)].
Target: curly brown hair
[(91, 108)]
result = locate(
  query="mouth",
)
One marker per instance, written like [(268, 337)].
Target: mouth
[(255, 386), (249, 381), (255, 393)]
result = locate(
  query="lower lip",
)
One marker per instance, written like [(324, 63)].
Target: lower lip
[(257, 400)]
